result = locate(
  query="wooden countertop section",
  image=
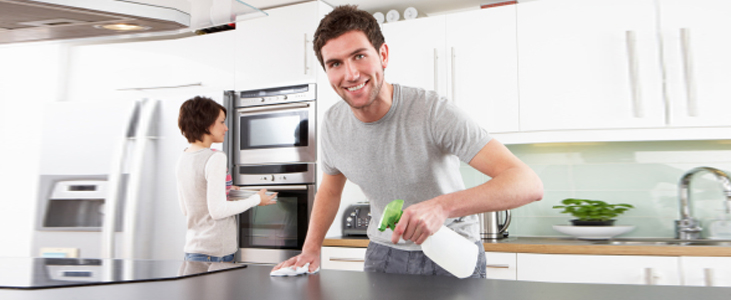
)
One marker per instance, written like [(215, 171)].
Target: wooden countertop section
[(567, 246)]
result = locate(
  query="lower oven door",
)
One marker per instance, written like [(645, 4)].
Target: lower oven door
[(273, 233)]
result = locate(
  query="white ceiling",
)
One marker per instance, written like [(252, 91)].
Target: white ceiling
[(424, 7)]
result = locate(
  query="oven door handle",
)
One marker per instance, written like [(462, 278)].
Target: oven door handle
[(276, 187), (272, 107)]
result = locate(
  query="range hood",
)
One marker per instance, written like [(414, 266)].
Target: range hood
[(43, 20)]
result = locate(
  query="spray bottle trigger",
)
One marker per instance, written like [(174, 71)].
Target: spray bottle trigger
[(391, 215)]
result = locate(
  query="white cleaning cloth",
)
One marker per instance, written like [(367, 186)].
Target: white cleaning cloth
[(293, 271)]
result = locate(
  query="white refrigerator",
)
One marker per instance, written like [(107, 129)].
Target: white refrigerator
[(96, 152)]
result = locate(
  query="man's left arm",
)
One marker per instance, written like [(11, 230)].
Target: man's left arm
[(513, 184)]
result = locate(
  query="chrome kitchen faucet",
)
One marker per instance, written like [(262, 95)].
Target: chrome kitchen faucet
[(687, 227)]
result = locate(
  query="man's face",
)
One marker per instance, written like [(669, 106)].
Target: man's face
[(355, 68)]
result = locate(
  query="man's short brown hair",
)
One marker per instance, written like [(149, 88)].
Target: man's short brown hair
[(343, 19), (196, 117)]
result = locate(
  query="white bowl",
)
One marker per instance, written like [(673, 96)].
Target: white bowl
[(593, 232)]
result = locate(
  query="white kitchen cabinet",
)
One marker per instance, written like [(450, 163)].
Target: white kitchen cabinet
[(696, 45), (597, 64), (276, 50), (468, 57), (483, 66), (342, 258), (706, 271), (614, 269), (185, 66), (574, 65), (501, 265), (416, 53)]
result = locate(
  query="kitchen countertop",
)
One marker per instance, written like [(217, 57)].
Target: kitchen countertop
[(253, 282), (568, 246), (40, 273)]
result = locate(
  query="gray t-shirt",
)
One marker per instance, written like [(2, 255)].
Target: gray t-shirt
[(412, 153)]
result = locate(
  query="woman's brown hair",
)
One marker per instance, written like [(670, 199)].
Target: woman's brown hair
[(196, 116)]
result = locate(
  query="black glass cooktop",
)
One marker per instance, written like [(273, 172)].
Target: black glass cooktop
[(38, 273)]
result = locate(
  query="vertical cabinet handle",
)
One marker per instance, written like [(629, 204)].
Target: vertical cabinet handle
[(650, 277), (454, 79), (708, 276), (634, 74), (306, 65), (436, 71), (688, 68)]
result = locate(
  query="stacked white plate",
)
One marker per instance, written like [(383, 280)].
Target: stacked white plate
[(593, 232)]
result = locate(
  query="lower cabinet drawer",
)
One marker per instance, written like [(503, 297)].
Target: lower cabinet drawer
[(342, 258), (611, 269), (501, 265)]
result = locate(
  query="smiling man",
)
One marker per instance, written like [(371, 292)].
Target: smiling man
[(398, 142)]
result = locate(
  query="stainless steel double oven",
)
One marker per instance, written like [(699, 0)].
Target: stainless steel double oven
[(272, 144)]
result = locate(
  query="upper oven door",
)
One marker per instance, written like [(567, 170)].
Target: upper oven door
[(277, 133)]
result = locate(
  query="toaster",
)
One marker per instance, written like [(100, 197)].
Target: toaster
[(356, 218)]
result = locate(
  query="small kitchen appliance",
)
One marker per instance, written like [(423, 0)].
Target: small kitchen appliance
[(493, 226), (356, 218), (275, 125)]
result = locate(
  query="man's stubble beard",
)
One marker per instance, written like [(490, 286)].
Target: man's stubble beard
[(374, 94)]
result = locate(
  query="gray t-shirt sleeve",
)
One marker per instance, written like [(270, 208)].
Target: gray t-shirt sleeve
[(326, 147), (455, 132)]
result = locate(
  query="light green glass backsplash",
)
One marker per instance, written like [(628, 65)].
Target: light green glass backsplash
[(644, 174)]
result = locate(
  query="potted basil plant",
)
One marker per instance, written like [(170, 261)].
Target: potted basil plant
[(592, 212)]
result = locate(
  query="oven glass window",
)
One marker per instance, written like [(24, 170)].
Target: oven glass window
[(287, 129), (279, 226)]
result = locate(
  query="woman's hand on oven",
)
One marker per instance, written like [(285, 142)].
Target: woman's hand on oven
[(267, 199)]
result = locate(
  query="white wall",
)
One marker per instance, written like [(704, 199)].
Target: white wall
[(28, 78)]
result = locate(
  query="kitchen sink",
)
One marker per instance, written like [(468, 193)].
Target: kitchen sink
[(665, 242)]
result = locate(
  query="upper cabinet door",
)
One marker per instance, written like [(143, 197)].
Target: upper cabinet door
[(276, 50), (589, 64), (483, 66), (152, 69), (416, 53), (469, 58), (697, 42)]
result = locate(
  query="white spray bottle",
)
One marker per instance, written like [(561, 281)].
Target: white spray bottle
[(445, 247)]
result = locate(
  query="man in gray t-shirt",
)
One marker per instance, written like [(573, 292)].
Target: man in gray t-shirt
[(411, 153), (397, 142)]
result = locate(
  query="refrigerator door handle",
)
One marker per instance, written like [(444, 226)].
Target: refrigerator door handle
[(147, 116), (115, 181)]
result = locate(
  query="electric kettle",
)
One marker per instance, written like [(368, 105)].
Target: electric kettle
[(491, 226)]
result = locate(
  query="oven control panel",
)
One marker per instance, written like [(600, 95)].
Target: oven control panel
[(302, 173), (296, 93), (356, 219)]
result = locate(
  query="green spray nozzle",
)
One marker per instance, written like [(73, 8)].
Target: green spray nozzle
[(391, 215)]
